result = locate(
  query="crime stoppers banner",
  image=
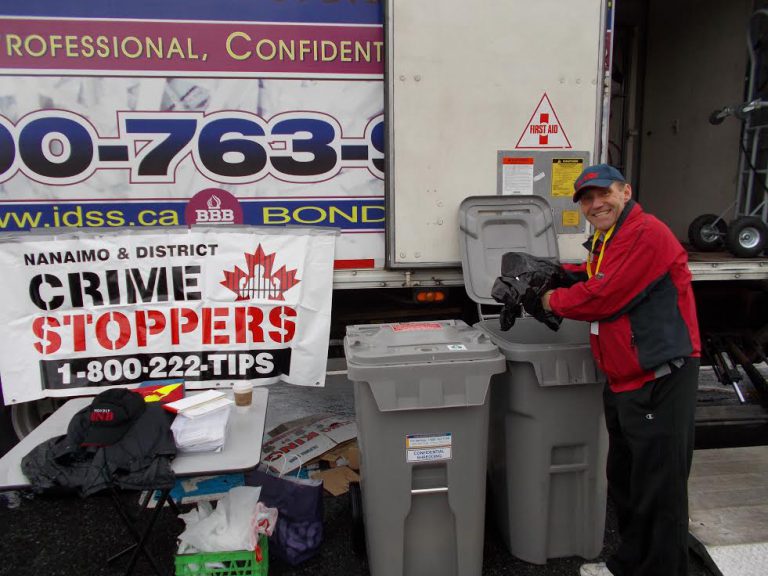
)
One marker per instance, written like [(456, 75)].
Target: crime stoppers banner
[(88, 310)]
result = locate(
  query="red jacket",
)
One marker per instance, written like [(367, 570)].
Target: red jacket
[(641, 302)]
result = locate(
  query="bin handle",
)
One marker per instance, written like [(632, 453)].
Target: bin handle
[(436, 490), (471, 223)]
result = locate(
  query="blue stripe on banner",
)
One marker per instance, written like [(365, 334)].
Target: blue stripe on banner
[(319, 11), (366, 214)]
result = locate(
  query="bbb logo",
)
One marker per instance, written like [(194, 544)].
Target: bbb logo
[(214, 213), (213, 206), (217, 216)]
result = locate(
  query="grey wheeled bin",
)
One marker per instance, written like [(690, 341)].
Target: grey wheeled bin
[(422, 417), (547, 437)]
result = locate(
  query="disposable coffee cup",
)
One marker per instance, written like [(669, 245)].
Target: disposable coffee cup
[(243, 393)]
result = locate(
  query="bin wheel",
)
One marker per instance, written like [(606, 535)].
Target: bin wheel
[(358, 526), (707, 232), (747, 236)]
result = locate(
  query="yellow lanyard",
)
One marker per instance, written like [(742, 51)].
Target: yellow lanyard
[(595, 238)]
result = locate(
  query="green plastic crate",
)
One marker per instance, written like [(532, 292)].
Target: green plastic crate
[(238, 563)]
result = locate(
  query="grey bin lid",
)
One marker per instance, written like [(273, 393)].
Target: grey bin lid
[(416, 343), (491, 226)]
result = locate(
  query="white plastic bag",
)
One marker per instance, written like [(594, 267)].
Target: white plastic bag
[(265, 520), (226, 528)]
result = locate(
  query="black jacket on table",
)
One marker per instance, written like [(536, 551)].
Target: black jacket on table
[(140, 460)]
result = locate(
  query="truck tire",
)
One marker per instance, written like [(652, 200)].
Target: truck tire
[(27, 416), (8, 438), (747, 236), (707, 232)]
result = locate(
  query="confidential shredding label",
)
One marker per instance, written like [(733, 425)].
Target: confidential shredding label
[(428, 447)]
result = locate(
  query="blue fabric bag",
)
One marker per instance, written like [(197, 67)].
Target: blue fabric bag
[(299, 531)]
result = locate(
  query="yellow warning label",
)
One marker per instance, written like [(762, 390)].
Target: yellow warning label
[(564, 174), (571, 218)]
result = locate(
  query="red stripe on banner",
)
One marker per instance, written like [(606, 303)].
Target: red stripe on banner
[(349, 264), (243, 48)]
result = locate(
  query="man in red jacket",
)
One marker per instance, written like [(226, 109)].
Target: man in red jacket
[(638, 299)]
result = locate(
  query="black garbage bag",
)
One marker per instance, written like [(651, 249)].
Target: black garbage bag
[(524, 280)]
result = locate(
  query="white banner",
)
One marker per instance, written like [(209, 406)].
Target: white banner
[(210, 305)]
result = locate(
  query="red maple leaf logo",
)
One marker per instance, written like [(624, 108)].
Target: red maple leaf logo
[(259, 281)]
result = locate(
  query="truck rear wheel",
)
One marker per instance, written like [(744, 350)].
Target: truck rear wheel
[(707, 232), (747, 236), (27, 416), (8, 437)]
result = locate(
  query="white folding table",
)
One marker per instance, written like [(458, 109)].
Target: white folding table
[(241, 452)]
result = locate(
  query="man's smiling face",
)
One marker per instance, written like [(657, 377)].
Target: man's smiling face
[(603, 206)]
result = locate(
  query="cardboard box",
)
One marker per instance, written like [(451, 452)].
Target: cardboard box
[(298, 445)]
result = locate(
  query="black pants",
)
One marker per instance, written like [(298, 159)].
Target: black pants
[(649, 458)]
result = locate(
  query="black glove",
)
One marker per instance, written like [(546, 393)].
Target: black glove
[(532, 304)]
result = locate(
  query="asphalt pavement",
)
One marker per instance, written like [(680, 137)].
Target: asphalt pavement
[(51, 536), (68, 535)]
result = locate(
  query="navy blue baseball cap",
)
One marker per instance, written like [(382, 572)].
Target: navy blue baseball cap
[(111, 414), (597, 176)]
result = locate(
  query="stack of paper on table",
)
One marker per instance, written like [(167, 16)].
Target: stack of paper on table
[(202, 433), (199, 404), (201, 421)]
